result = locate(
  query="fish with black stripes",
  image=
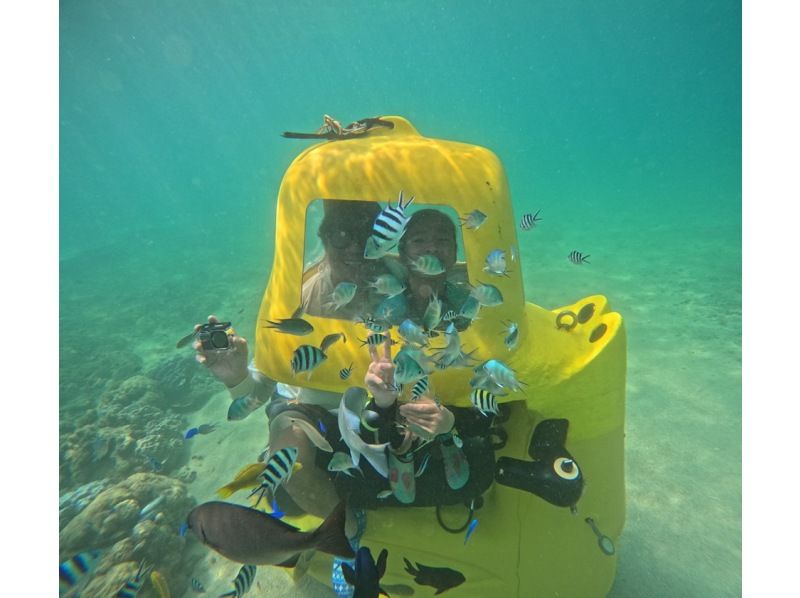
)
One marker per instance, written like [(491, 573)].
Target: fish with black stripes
[(278, 468), (135, 582), (375, 339), (242, 582), (75, 571), (305, 358), (344, 373), (420, 388), (529, 220), (484, 401), (388, 228), (576, 257)]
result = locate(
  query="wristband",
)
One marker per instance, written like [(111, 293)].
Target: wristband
[(244, 388)]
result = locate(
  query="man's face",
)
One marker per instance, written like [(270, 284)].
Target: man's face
[(344, 242), (431, 236)]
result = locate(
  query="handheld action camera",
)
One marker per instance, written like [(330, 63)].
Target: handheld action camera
[(215, 337)]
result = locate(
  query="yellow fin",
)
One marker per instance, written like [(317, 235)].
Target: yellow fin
[(226, 491), (247, 477), (160, 585)]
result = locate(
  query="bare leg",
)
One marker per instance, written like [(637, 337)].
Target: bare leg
[(310, 487)]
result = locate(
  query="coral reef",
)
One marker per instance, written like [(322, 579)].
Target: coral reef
[(115, 523), (126, 434), (72, 503)]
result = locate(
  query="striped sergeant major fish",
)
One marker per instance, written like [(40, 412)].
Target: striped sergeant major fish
[(483, 400), (576, 257), (244, 579), (529, 220), (305, 358), (197, 586), (344, 373), (388, 228), (76, 570), (278, 468), (374, 324), (449, 315), (134, 583), (419, 389), (373, 340)]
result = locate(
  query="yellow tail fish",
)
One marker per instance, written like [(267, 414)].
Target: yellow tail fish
[(160, 584), (246, 478)]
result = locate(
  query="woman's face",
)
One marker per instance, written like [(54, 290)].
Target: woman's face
[(431, 236)]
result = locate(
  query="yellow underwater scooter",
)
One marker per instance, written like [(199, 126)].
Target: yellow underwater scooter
[(549, 523)]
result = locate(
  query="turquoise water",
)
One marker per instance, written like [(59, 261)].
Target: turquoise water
[(619, 120)]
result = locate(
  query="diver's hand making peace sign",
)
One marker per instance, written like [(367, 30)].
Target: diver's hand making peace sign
[(229, 366), (379, 378), (425, 417)]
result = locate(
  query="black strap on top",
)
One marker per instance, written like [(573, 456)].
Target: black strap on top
[(351, 131)]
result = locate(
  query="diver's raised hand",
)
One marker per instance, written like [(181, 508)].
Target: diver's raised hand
[(230, 365), (379, 378), (426, 418)]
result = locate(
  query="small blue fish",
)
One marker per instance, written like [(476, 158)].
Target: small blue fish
[(472, 525), (182, 529), (322, 427), (496, 263), (190, 433), (276, 510)]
